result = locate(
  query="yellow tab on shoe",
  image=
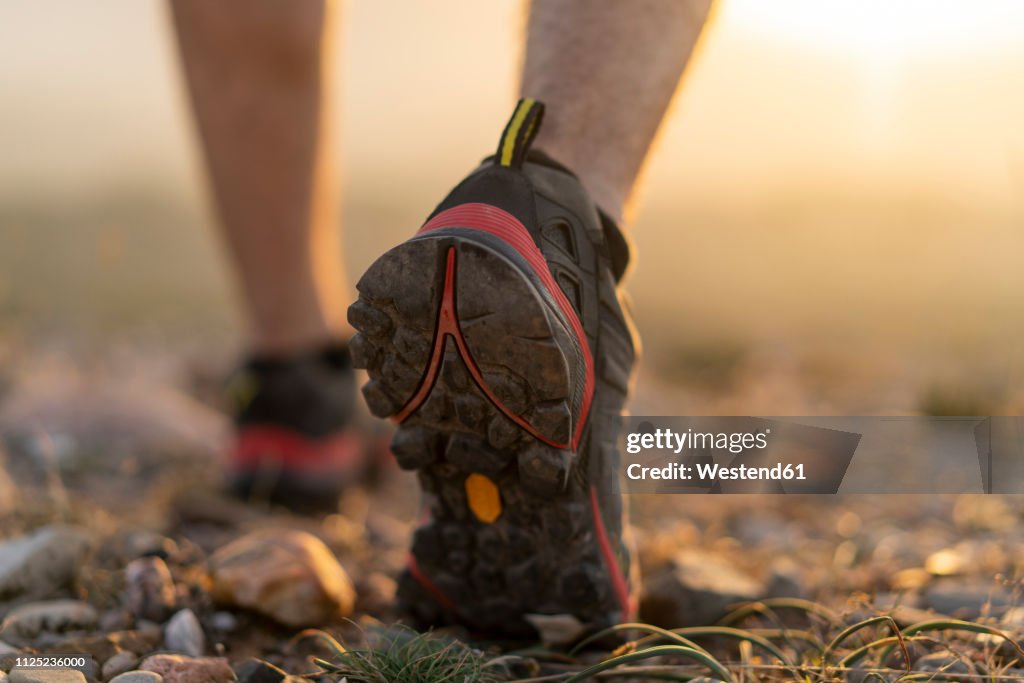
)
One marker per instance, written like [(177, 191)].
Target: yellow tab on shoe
[(483, 497), (519, 133)]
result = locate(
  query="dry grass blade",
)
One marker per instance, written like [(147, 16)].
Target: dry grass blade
[(658, 633), (322, 637), (890, 642), (854, 628), (724, 632), (678, 650), (766, 606), (954, 625)]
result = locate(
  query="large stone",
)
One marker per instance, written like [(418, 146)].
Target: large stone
[(138, 677), (149, 588), (40, 563), (184, 634), (182, 669), (23, 675), (290, 576), (53, 616), (119, 663), (696, 589)]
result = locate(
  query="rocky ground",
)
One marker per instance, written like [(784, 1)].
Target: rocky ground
[(117, 545)]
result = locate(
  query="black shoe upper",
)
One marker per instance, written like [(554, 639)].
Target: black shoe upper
[(312, 394)]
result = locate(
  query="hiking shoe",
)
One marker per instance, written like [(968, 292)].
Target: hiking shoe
[(494, 338), (295, 444)]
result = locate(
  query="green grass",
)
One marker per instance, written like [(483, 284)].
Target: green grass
[(773, 641), (404, 656)]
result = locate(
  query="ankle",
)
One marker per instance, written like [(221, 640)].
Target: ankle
[(604, 190)]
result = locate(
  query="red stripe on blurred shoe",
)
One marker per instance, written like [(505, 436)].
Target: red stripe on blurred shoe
[(256, 444)]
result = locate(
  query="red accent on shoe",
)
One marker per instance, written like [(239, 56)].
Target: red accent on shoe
[(614, 570), (333, 454), (448, 325), (428, 585), (505, 226)]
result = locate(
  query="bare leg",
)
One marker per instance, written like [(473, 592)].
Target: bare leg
[(607, 72), (255, 70)]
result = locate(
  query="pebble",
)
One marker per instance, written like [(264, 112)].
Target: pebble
[(54, 616), (119, 663), (556, 630), (947, 562), (1013, 619), (785, 579), (696, 588), (143, 543), (184, 634), (22, 675), (967, 599), (42, 562), (149, 588), (182, 669), (105, 645), (910, 579), (117, 619), (289, 576), (8, 660), (138, 677), (376, 592), (225, 622), (258, 671), (941, 661)]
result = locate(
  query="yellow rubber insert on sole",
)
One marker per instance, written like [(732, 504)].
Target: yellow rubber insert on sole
[(483, 497)]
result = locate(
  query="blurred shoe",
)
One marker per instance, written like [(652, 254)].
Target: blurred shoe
[(295, 442), (496, 340)]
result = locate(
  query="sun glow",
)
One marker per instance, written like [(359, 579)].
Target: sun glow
[(887, 93), (879, 30)]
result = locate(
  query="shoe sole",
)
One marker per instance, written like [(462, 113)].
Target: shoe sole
[(468, 351)]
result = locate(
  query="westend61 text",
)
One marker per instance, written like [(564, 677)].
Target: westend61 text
[(711, 472)]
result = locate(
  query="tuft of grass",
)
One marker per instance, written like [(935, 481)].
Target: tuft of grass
[(409, 657)]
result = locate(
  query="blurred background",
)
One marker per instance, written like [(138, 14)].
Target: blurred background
[(831, 221)]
